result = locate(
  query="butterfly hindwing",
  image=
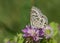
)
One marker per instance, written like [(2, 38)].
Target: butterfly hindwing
[(38, 20)]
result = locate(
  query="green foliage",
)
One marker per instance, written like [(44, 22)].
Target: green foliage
[(15, 39), (43, 40), (14, 15), (20, 38), (52, 41), (55, 28)]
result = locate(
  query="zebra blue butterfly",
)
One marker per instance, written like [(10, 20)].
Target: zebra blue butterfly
[(37, 19)]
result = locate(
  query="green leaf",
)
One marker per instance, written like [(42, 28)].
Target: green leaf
[(20, 38), (54, 27), (52, 41)]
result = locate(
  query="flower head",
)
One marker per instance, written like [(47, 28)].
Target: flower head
[(48, 31), (33, 32)]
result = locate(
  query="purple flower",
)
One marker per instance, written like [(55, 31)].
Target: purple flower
[(33, 32)]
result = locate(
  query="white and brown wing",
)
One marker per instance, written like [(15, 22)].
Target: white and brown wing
[(37, 19)]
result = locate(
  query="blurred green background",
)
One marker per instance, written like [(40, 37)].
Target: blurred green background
[(15, 14)]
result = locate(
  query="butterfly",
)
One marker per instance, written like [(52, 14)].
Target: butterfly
[(37, 19)]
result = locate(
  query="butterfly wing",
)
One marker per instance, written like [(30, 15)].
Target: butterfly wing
[(38, 20)]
